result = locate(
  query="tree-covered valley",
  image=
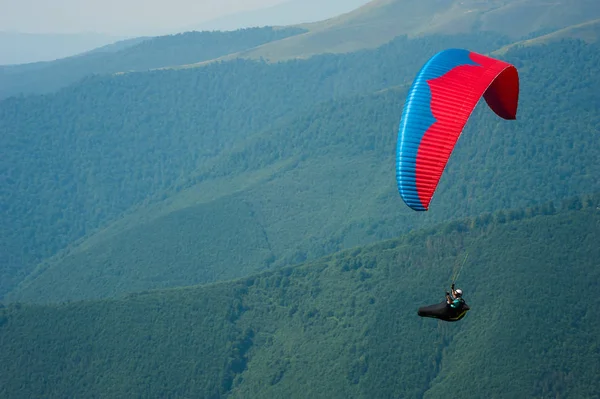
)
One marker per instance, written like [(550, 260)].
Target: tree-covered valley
[(344, 325)]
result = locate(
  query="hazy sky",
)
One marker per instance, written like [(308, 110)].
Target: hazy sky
[(118, 17)]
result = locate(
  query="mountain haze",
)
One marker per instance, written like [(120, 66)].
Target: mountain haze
[(139, 54), (21, 48), (366, 27)]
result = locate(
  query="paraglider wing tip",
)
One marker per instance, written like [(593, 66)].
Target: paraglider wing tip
[(502, 96)]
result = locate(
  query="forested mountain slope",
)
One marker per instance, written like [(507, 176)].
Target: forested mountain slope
[(78, 159), (343, 326), (588, 32), (323, 179)]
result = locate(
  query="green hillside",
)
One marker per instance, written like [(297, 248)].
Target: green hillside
[(381, 20), (343, 326), (587, 31), (156, 52), (323, 180), (81, 158)]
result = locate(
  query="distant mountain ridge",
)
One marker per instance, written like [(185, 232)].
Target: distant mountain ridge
[(381, 20), (290, 12), (140, 54), (368, 26), (588, 32)]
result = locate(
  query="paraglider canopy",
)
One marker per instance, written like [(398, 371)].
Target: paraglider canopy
[(439, 103)]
